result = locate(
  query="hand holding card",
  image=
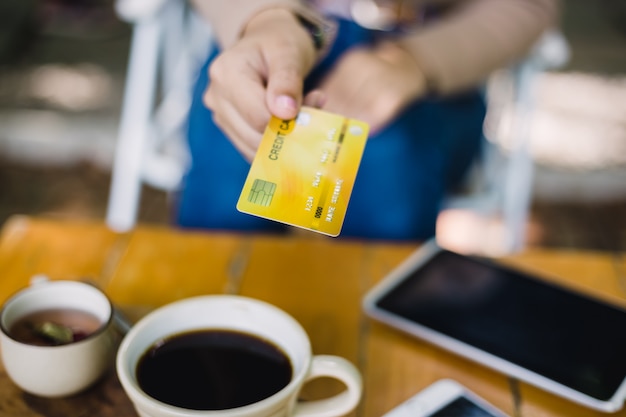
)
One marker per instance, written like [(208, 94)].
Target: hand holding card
[(304, 171)]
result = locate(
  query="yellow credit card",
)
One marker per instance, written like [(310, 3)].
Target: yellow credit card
[(304, 170)]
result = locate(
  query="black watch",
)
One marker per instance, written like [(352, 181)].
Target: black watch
[(321, 31), (316, 32)]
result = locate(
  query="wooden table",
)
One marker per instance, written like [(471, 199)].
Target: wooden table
[(319, 280)]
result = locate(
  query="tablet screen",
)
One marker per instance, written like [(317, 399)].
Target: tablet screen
[(564, 336)]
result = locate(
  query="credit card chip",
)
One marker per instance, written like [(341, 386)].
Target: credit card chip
[(262, 192)]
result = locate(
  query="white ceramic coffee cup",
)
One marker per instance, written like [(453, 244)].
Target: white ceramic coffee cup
[(249, 316), (56, 371)]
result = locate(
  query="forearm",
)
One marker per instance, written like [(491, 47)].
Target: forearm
[(229, 18), (462, 48)]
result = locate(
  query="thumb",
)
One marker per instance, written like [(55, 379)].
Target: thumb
[(284, 88)]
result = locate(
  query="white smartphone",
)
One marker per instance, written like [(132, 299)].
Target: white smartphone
[(445, 398), (512, 321)]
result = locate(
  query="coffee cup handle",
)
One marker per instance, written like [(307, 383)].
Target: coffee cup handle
[(338, 405)]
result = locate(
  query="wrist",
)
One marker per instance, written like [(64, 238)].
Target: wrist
[(270, 18), (319, 31), (284, 25)]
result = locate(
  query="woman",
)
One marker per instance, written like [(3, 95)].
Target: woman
[(413, 70)]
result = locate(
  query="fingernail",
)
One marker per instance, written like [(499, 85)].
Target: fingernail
[(320, 100), (287, 103)]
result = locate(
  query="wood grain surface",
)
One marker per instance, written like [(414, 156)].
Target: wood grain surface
[(320, 281)]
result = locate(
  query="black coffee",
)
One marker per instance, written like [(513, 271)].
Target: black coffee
[(213, 370)]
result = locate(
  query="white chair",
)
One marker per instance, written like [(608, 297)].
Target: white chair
[(169, 43), (501, 184)]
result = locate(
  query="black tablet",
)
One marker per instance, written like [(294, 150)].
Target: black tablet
[(515, 322)]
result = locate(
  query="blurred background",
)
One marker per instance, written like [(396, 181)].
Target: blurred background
[(63, 69)]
